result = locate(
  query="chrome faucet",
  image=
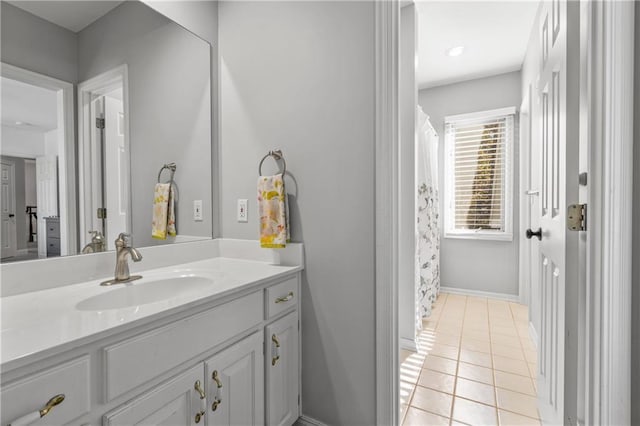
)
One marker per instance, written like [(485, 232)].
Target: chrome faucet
[(97, 243), (122, 266)]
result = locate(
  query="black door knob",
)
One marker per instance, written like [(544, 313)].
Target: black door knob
[(11, 215), (537, 234)]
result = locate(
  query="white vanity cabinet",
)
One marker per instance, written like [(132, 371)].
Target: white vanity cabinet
[(233, 360), (282, 371), (235, 384), (175, 402)]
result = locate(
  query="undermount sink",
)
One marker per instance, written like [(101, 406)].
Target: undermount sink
[(144, 292)]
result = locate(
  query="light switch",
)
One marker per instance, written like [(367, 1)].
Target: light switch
[(242, 210), (197, 210)]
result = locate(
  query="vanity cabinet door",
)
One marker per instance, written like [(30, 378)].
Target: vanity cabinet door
[(235, 382), (175, 402), (281, 364)]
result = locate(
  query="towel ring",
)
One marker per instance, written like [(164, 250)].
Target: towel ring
[(171, 167), (277, 155)]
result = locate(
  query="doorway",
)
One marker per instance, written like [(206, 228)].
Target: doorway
[(38, 159)]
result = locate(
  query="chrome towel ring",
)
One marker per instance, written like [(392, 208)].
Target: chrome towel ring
[(169, 166), (277, 155)]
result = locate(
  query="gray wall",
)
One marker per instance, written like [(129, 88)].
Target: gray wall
[(635, 311), (29, 42), (169, 106), (300, 76), (22, 232), (482, 265)]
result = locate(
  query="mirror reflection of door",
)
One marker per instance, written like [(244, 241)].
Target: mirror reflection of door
[(106, 199), (31, 143), (8, 235)]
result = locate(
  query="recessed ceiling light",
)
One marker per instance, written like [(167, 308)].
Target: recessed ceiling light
[(19, 123), (455, 51)]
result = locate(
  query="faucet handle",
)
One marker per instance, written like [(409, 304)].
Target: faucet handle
[(122, 240)]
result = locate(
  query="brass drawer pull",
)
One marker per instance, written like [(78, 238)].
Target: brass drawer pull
[(275, 352), (285, 298), (198, 387), (199, 416), (56, 400), (216, 399), (34, 416)]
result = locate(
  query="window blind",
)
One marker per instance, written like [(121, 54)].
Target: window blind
[(478, 171)]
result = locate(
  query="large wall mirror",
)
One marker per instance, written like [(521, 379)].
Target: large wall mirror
[(106, 128)]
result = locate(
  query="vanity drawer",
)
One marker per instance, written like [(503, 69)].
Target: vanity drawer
[(31, 394), (139, 359), (281, 297)]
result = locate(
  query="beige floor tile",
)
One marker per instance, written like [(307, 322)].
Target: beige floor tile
[(404, 354), (409, 373), (443, 365), (418, 417), (473, 413), (476, 358), (475, 391), (501, 339), (437, 381), (449, 329), (476, 345), (514, 382), (432, 401), (516, 402), (406, 391), (504, 330), (475, 372), (509, 365), (445, 351), (507, 351), (447, 339), (531, 356), (476, 334), (533, 372), (508, 418)]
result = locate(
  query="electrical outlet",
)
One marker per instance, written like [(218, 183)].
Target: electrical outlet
[(197, 210), (243, 215)]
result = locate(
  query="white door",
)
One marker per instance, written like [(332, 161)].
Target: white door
[(47, 195), (8, 236), (558, 179), (173, 403), (235, 382), (115, 172), (281, 364)]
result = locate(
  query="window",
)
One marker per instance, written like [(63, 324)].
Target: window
[(478, 175)]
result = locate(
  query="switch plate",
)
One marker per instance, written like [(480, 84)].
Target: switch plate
[(197, 210), (243, 216)]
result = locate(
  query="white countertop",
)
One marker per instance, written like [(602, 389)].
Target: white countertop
[(53, 320)]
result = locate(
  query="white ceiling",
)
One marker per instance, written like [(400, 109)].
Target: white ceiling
[(494, 33), (72, 15), (34, 107)]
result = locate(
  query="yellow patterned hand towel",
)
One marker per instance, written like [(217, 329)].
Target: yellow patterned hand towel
[(164, 220), (273, 211)]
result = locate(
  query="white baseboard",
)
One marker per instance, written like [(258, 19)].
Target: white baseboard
[(533, 334), (408, 344), (308, 421), (479, 293)]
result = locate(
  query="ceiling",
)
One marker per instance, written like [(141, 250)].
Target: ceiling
[(72, 15), (28, 107), (494, 34)]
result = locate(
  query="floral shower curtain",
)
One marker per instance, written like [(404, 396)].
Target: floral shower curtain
[(427, 226)]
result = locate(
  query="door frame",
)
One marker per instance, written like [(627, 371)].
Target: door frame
[(86, 90), (13, 235), (604, 381), (605, 301), (67, 155), (524, 178)]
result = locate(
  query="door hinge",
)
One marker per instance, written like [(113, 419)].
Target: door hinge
[(298, 325), (100, 123), (577, 217), (102, 212), (298, 399)]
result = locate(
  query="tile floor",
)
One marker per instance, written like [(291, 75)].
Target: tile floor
[(475, 365)]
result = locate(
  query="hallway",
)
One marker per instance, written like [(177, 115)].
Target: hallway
[(475, 365)]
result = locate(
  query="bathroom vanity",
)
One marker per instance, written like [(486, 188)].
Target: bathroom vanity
[(209, 336)]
